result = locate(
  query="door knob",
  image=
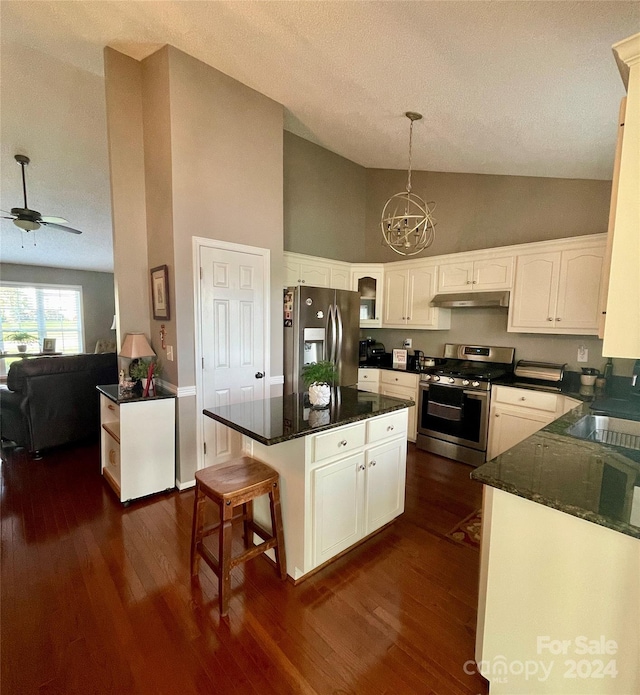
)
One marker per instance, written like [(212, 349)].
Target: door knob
[(259, 375)]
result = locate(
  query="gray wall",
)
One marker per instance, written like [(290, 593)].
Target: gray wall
[(324, 202), (478, 211), (97, 295)]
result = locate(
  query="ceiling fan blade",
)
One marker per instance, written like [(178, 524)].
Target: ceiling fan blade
[(54, 220), (60, 227), (7, 218)]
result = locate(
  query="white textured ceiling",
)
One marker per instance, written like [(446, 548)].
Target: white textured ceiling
[(521, 88)]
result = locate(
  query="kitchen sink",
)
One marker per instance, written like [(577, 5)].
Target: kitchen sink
[(608, 430)]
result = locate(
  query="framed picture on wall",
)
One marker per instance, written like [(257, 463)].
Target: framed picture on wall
[(48, 345), (160, 292)]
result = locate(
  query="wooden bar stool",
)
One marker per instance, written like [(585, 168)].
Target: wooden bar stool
[(230, 485)]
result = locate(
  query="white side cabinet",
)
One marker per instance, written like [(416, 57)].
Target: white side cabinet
[(137, 443), (317, 272), (516, 414), (368, 281)]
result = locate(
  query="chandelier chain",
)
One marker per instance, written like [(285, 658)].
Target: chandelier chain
[(410, 148)]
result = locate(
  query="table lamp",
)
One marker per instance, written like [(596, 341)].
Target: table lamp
[(136, 346)]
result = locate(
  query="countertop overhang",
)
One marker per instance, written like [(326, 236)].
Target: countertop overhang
[(560, 471), (276, 420)]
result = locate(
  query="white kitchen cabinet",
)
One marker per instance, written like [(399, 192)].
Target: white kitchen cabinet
[(402, 385), (137, 444), (369, 380), (622, 324), (355, 496), (316, 272), (558, 291), (516, 414), (306, 270), (408, 292), (368, 281), (476, 275)]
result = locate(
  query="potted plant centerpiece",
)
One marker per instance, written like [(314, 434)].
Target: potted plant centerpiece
[(319, 377), (23, 339), (139, 369)]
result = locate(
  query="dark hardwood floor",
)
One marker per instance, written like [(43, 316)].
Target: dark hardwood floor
[(97, 598)]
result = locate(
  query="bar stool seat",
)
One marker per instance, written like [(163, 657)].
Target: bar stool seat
[(230, 485)]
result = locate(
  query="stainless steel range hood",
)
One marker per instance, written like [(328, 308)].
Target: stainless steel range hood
[(471, 299)]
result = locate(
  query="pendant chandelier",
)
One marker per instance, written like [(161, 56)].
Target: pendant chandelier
[(410, 228)]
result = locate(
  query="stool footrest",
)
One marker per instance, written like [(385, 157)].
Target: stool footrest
[(252, 552)]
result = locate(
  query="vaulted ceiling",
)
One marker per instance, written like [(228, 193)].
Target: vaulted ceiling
[(517, 88)]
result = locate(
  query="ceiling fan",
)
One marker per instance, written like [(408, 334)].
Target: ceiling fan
[(30, 220)]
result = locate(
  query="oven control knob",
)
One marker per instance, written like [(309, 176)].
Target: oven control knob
[(465, 382), (475, 384), (426, 377), (435, 377), (452, 380)]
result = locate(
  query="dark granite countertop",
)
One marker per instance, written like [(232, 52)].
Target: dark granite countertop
[(111, 392), (586, 479), (279, 419)]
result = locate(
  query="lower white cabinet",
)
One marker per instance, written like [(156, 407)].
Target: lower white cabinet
[(518, 413), (337, 487), (405, 386), (369, 380), (137, 444)]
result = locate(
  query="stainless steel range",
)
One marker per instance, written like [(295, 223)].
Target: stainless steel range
[(454, 401)]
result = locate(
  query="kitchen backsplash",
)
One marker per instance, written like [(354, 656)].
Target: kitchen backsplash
[(489, 327)]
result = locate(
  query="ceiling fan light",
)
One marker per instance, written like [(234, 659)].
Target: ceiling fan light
[(27, 225)]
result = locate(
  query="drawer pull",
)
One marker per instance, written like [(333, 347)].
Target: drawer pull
[(111, 407), (390, 428), (522, 398), (343, 443), (112, 457), (497, 414)]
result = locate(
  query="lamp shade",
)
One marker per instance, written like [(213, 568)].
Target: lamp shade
[(135, 345)]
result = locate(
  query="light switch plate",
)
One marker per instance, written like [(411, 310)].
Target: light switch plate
[(170, 353), (407, 343), (583, 354)]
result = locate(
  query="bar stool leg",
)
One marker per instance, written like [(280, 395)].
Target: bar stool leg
[(196, 532), (276, 529), (224, 556), (247, 515)]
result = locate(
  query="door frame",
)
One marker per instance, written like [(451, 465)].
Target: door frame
[(199, 243)]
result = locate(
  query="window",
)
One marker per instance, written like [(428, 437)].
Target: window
[(42, 311)]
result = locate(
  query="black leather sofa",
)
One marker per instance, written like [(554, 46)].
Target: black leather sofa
[(50, 401)]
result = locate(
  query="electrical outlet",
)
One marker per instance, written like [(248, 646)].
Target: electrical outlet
[(407, 343), (583, 354), (170, 353)]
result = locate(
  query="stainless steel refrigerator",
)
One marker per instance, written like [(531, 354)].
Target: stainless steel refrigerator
[(320, 324)]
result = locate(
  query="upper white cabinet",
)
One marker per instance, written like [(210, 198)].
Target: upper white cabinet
[(476, 275), (622, 324), (558, 290), (317, 272), (408, 292), (368, 280)]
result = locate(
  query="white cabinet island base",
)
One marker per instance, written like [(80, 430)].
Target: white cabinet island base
[(342, 470)]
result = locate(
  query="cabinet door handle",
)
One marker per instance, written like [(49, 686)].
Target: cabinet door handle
[(558, 319), (404, 318), (361, 467), (550, 318), (373, 463), (408, 318), (497, 414), (475, 282), (468, 282)]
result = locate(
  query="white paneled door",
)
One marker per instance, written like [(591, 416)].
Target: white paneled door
[(232, 334)]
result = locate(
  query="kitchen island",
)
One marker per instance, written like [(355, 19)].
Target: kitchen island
[(342, 468), (559, 599)]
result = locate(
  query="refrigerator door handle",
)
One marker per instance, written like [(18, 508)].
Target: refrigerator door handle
[(338, 341), (330, 335)]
